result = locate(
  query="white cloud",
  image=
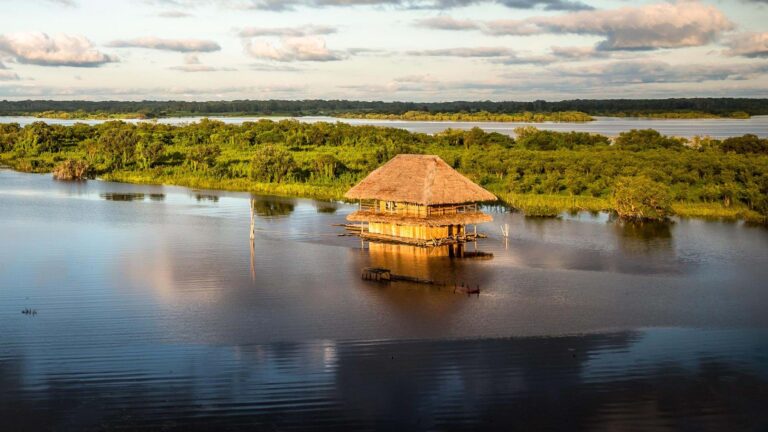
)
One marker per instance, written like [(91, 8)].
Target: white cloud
[(178, 45), (445, 22), (307, 48), (58, 50), (464, 52), (307, 30), (290, 5), (174, 14), (748, 45), (655, 71), (653, 26), (192, 63)]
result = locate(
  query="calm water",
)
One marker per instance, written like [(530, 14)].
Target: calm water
[(154, 312), (611, 126)]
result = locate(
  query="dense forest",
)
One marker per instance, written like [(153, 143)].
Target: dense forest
[(538, 171), (730, 107)]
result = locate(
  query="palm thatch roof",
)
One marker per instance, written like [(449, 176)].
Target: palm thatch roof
[(419, 179)]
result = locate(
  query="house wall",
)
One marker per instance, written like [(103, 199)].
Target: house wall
[(401, 208), (409, 231)]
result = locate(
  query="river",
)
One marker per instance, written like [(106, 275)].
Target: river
[(155, 311), (611, 126)]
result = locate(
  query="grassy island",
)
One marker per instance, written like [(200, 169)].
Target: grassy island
[(84, 115), (684, 115), (481, 116), (540, 172)]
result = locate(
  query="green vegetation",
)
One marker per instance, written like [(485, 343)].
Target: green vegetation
[(658, 108), (480, 116), (72, 170), (684, 115), (541, 172), (641, 198), (84, 115)]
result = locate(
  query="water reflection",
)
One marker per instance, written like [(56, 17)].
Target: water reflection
[(132, 196), (119, 196), (273, 207), (206, 197), (328, 207), (649, 379), (161, 316), (441, 264)]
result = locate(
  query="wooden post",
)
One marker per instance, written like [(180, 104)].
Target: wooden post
[(253, 261), (253, 219)]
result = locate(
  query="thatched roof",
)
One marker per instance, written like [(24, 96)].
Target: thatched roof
[(435, 221), (419, 179)]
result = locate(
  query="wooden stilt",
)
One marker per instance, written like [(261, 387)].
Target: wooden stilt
[(253, 219)]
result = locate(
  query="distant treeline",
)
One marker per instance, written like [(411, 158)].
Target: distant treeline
[(538, 170), (725, 107)]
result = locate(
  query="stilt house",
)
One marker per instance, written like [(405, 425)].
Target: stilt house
[(418, 199)]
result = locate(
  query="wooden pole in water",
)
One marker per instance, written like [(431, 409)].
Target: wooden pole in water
[(253, 261), (253, 220)]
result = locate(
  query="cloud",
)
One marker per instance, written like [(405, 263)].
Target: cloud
[(68, 3), (289, 49), (150, 93), (748, 45), (646, 27), (630, 79), (289, 5), (654, 71), (192, 64), (503, 55), (174, 14), (464, 52), (266, 67), (201, 68), (551, 5), (663, 25), (307, 30), (178, 45), (577, 53), (58, 50), (6, 75), (444, 22)]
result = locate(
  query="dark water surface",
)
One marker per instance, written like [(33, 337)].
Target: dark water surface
[(610, 126), (154, 312)]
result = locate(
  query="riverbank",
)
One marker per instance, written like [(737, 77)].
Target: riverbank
[(542, 173), (533, 205)]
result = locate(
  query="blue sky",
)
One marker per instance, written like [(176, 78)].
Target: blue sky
[(419, 50)]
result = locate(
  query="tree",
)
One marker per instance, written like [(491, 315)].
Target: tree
[(148, 153), (118, 144), (327, 166), (271, 164), (203, 156), (641, 198), (745, 144), (647, 139)]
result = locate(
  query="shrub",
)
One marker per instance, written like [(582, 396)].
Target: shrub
[(72, 170), (203, 156), (641, 198), (271, 164)]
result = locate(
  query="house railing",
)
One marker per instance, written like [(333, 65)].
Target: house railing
[(402, 209)]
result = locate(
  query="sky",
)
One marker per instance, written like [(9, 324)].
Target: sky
[(406, 50)]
